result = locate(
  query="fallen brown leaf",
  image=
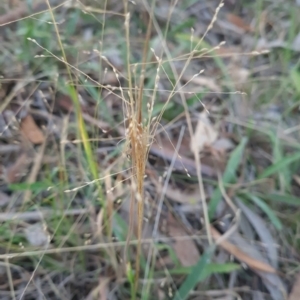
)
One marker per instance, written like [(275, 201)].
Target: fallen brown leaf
[(205, 134), (14, 172), (186, 252), (241, 255), (272, 281), (295, 293), (31, 131), (297, 179), (205, 81), (239, 22)]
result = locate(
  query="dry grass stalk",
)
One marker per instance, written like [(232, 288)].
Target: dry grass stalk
[(138, 137)]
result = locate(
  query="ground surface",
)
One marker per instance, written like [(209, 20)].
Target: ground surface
[(219, 81)]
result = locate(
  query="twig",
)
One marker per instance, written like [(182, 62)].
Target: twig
[(95, 246), (162, 196), (35, 170)]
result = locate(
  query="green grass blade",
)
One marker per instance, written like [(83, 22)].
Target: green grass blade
[(234, 161), (83, 133), (277, 167), (283, 198), (34, 187), (214, 268), (210, 269), (228, 176), (120, 228), (284, 175), (267, 210), (295, 78), (195, 276)]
